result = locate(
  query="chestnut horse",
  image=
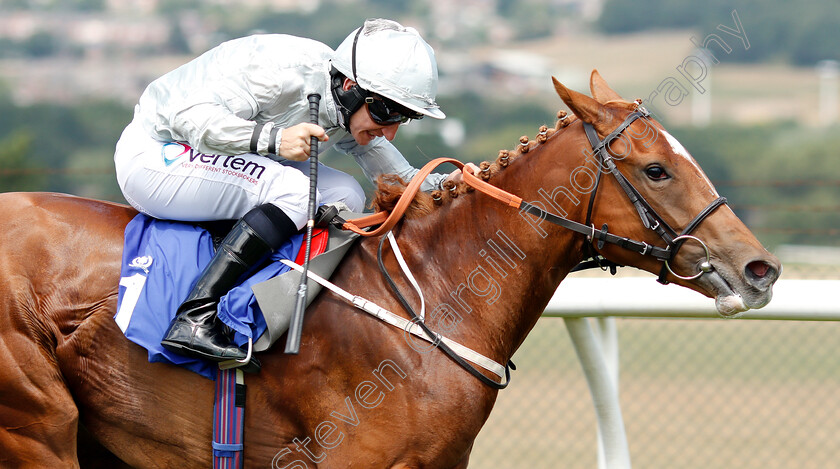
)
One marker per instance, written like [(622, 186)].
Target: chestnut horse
[(74, 391)]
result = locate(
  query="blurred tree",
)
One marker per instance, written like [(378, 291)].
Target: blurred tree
[(41, 44), (626, 16), (15, 167), (330, 24), (802, 33), (817, 39), (83, 132), (86, 5), (177, 42), (16, 4), (173, 7), (397, 7), (505, 7)]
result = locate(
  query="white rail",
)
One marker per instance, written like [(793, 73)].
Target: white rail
[(580, 298), (793, 300)]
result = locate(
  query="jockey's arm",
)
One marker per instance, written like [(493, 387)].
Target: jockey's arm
[(220, 118), (381, 157), (213, 128)]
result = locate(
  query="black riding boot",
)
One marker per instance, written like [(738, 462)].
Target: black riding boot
[(196, 331)]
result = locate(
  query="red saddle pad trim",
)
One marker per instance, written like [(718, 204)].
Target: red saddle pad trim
[(320, 236)]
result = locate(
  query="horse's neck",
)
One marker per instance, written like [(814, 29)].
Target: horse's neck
[(487, 270)]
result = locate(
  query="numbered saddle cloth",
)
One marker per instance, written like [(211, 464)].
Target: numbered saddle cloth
[(161, 261)]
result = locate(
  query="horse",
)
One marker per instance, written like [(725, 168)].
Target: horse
[(75, 393)]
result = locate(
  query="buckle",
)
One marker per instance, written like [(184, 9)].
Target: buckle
[(602, 238)]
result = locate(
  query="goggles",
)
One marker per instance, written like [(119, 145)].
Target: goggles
[(383, 111)]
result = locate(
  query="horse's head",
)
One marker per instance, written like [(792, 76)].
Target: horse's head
[(674, 197)]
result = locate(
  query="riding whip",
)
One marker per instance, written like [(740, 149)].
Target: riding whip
[(296, 325)]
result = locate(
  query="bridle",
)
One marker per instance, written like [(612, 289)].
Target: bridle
[(648, 215)]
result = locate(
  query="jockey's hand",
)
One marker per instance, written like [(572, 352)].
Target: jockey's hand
[(294, 141), (456, 176)]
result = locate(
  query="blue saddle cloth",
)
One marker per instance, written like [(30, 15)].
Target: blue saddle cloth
[(161, 261)]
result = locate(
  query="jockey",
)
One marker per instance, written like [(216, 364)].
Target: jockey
[(226, 137)]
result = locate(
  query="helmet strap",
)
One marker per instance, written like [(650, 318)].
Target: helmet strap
[(353, 59), (349, 101)]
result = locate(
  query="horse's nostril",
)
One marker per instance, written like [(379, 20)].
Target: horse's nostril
[(759, 269)]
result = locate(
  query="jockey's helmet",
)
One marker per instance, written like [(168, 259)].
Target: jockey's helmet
[(391, 61)]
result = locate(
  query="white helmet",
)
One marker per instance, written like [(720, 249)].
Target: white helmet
[(393, 61)]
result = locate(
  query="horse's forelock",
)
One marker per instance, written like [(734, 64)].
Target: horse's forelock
[(622, 104)]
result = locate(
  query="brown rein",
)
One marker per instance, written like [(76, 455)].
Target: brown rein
[(649, 218), (388, 220)]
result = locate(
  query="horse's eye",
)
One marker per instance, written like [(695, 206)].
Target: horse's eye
[(656, 173)]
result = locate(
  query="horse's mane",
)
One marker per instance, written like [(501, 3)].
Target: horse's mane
[(390, 187)]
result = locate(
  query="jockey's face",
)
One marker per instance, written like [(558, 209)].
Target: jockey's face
[(362, 126)]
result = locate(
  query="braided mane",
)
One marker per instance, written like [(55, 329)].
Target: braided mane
[(390, 187)]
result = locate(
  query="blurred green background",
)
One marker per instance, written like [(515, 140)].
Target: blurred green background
[(764, 126)]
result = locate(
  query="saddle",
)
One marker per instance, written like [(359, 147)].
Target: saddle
[(276, 296)]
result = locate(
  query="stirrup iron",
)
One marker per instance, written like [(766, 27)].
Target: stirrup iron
[(228, 364)]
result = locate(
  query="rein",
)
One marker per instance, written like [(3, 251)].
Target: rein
[(648, 215)]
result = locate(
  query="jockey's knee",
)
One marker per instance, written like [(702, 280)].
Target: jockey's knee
[(347, 190), (355, 199), (291, 195), (271, 224)]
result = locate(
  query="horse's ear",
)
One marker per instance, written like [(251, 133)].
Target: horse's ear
[(600, 90), (586, 108)]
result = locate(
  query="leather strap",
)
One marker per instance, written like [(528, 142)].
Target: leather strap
[(599, 235), (355, 224), (355, 43), (389, 220), (702, 215), (434, 337), (407, 326), (402, 205), (663, 272)]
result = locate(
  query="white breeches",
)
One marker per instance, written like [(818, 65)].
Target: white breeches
[(172, 181)]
